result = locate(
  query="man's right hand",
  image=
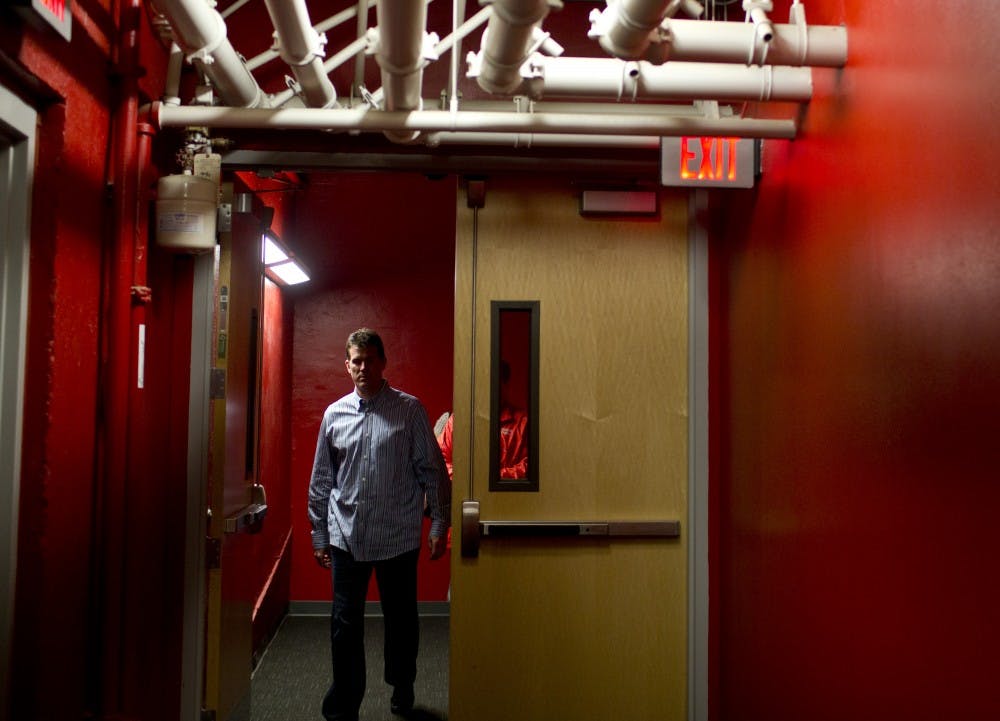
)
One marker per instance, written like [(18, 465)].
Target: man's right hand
[(322, 556)]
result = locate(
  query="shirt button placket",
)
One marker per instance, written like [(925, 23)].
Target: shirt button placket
[(366, 444)]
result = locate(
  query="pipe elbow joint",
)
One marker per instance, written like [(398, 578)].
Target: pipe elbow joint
[(757, 11)]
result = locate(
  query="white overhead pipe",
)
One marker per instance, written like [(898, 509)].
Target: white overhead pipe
[(757, 11), (301, 47), (634, 80), (342, 56), (328, 24), (450, 41), (763, 34), (457, 11), (630, 29), (201, 33), (730, 42), (359, 46), (347, 52), (543, 140), (417, 121), (402, 48), (522, 104), (509, 39), (172, 84), (233, 8), (454, 38), (360, 31), (344, 15)]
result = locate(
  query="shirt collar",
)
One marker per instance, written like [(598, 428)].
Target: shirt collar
[(373, 401)]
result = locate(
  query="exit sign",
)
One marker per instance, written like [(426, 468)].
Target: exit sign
[(55, 13), (708, 162)]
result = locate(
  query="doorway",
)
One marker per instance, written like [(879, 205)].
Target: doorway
[(17, 157), (320, 315)]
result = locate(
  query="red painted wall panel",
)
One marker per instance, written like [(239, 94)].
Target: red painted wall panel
[(855, 342), (272, 546), (72, 531), (55, 538)]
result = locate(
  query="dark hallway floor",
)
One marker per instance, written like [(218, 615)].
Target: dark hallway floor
[(294, 673)]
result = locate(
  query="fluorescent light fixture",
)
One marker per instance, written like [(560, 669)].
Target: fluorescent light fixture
[(288, 273), (272, 252), (280, 264)]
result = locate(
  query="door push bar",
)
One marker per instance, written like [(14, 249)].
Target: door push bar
[(248, 519), (473, 530)]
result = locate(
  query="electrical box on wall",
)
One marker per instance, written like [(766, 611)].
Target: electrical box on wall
[(709, 161), (619, 202)]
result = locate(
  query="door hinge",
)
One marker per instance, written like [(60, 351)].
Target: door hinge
[(213, 554), (217, 379)]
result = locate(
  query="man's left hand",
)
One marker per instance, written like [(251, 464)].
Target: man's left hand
[(437, 546)]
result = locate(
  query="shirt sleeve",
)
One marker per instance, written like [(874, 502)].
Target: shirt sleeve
[(320, 485), (429, 467)]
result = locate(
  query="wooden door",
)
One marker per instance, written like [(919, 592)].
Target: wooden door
[(232, 471), (575, 627)]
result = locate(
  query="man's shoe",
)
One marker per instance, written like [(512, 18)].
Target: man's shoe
[(402, 700)]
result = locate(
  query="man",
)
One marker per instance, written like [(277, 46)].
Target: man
[(376, 461)]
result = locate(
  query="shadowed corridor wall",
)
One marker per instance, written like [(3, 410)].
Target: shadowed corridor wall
[(854, 349)]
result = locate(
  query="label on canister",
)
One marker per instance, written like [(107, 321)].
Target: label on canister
[(180, 223)]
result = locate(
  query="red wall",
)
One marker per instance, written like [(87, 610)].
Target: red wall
[(855, 342), (391, 268), (269, 564), (74, 519)]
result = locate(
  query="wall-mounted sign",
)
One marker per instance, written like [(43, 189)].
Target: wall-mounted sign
[(56, 13), (711, 162)]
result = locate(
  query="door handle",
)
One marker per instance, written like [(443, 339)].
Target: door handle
[(474, 530), (248, 518), (470, 529)]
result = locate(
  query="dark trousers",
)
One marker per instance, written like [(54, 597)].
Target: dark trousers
[(397, 587)]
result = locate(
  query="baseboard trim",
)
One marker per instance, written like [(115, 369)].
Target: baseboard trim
[(372, 608)]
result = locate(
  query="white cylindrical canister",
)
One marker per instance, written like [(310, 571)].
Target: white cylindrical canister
[(186, 212)]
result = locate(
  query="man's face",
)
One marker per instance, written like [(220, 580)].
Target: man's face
[(365, 367)]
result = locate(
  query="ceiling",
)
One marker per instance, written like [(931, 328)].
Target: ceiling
[(568, 103)]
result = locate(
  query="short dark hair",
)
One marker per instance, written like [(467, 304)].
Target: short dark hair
[(363, 338)]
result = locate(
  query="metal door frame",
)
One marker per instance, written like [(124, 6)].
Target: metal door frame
[(199, 422), (698, 458), (17, 163)]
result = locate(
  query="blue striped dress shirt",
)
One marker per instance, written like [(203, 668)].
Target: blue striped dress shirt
[(376, 460)]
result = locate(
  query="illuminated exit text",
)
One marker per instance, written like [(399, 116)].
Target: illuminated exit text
[(708, 161)]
